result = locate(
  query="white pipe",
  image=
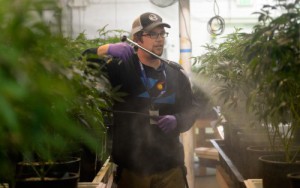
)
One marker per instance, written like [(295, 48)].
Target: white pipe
[(185, 54), (184, 33)]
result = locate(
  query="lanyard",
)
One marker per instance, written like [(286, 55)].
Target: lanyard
[(147, 84)]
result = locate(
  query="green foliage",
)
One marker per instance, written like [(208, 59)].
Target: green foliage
[(262, 69), (50, 100), (224, 67), (228, 64), (274, 63)]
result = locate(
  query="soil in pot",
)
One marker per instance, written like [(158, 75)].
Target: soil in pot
[(294, 179), (67, 180), (70, 164), (275, 170)]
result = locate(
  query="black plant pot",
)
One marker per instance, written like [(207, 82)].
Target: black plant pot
[(275, 170), (294, 179), (254, 165), (90, 165), (250, 137), (59, 174)]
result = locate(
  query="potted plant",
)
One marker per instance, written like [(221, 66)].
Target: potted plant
[(50, 100), (267, 64), (273, 57), (221, 73), (97, 97)]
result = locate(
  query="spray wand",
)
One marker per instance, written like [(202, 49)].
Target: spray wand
[(128, 112), (124, 38)]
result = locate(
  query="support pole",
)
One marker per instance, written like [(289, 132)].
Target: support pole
[(184, 34), (185, 54)]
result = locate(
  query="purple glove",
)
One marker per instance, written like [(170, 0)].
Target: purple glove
[(121, 50), (167, 123)]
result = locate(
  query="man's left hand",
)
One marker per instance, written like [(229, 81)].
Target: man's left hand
[(121, 50), (167, 123)]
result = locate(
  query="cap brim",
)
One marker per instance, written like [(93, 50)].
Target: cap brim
[(154, 25)]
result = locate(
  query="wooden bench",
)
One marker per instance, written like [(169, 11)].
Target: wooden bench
[(207, 153), (208, 157), (204, 150), (103, 179)]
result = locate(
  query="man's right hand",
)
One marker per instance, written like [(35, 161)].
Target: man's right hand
[(121, 50)]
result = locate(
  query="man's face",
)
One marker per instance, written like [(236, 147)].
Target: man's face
[(154, 40)]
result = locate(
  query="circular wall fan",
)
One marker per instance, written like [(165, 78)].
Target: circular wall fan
[(163, 3)]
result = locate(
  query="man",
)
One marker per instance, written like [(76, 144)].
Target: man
[(157, 108)]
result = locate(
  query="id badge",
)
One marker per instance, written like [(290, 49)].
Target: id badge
[(153, 113)]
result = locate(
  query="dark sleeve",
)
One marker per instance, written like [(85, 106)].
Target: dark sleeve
[(115, 68), (91, 55), (205, 108), (188, 107)]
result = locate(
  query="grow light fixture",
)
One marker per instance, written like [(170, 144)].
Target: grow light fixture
[(163, 3)]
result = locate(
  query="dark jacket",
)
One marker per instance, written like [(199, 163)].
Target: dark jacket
[(137, 145)]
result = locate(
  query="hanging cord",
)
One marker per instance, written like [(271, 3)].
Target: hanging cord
[(216, 7), (216, 24)]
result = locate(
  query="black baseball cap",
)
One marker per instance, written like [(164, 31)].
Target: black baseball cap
[(147, 22)]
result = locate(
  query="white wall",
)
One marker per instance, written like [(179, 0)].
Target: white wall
[(91, 15)]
